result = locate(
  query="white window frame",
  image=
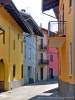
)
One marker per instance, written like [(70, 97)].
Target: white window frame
[(70, 59)]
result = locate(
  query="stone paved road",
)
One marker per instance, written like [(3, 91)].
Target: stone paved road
[(46, 90)]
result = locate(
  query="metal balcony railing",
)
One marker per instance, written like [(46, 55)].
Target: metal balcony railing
[(42, 47), (57, 28), (43, 62)]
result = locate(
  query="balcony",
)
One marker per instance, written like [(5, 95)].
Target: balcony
[(57, 33), (42, 48), (43, 62)]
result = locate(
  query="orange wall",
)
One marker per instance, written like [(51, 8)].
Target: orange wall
[(64, 51)]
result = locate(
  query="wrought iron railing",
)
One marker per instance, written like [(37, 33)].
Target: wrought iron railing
[(43, 62), (57, 28), (42, 47)]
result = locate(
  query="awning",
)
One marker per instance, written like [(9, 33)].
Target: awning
[(49, 4), (12, 10)]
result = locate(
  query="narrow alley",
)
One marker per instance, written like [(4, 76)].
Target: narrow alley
[(44, 90)]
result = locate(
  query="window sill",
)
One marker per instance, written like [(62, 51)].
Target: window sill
[(70, 75)]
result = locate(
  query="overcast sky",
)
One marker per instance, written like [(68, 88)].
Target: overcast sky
[(33, 7)]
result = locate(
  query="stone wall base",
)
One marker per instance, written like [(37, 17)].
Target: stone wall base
[(66, 89), (54, 77), (16, 84)]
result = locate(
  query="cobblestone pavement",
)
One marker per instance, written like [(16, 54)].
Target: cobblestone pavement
[(44, 90)]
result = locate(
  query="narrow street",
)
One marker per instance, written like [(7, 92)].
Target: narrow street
[(46, 90)]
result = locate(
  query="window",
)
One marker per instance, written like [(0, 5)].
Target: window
[(30, 35), (70, 58), (25, 51), (63, 15), (14, 70), (33, 38), (22, 71), (41, 54), (29, 53), (33, 56), (70, 3), (41, 42), (21, 46), (3, 37), (2, 33), (14, 45), (51, 57)]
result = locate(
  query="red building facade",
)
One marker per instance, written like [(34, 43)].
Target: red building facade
[(52, 68)]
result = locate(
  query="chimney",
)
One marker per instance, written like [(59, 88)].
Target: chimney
[(23, 10), (40, 25)]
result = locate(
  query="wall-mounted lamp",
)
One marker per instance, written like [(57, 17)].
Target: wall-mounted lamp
[(2, 32)]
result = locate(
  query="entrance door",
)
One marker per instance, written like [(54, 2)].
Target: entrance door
[(41, 58), (29, 73), (51, 73), (41, 73), (2, 76)]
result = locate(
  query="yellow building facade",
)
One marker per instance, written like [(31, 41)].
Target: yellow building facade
[(11, 48), (64, 40), (66, 52)]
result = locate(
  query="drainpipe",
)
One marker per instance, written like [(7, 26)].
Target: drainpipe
[(74, 39)]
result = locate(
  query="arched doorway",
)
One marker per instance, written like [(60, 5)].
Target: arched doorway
[(2, 75)]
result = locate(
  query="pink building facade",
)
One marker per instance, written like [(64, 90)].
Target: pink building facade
[(52, 68)]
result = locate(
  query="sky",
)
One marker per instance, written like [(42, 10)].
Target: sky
[(33, 7)]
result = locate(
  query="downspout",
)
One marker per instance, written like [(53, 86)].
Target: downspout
[(74, 38), (73, 69)]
